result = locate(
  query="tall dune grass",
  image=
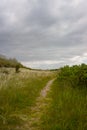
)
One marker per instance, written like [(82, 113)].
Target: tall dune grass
[(18, 92)]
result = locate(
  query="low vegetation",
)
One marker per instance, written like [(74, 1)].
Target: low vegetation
[(67, 110), (68, 104), (75, 76), (18, 92), (65, 103)]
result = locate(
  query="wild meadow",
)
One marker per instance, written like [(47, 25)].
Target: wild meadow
[(68, 104), (18, 92), (63, 108)]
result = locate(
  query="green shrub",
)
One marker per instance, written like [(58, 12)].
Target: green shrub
[(17, 68), (75, 75)]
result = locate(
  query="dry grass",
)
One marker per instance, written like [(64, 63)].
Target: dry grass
[(18, 93)]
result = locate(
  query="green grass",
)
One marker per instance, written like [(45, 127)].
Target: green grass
[(67, 110), (18, 92)]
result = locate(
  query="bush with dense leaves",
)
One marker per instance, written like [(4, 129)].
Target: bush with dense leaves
[(75, 75)]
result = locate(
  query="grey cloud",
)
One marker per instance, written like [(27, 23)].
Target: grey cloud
[(36, 30)]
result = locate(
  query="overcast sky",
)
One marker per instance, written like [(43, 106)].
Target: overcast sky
[(44, 33)]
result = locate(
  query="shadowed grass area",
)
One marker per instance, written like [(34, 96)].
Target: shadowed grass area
[(67, 110), (18, 93)]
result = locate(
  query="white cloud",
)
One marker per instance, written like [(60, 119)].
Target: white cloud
[(76, 3), (43, 64), (52, 64), (76, 58), (85, 54), (79, 59)]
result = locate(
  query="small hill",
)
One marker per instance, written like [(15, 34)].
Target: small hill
[(8, 62), (2, 56)]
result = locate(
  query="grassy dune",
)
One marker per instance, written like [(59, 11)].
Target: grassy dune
[(66, 106), (18, 92)]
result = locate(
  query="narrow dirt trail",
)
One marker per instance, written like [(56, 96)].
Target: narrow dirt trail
[(40, 108)]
